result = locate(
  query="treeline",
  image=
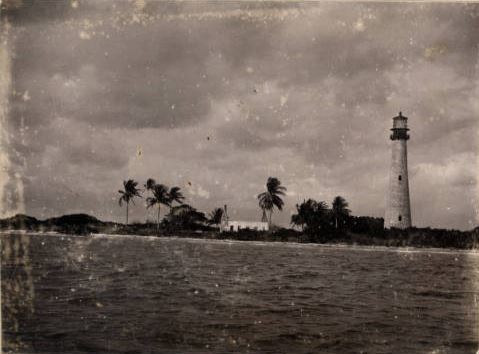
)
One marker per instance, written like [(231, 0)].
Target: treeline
[(412, 237), (182, 221), (313, 222), (321, 224), (362, 230)]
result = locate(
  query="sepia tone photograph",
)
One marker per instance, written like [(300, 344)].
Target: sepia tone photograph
[(239, 177)]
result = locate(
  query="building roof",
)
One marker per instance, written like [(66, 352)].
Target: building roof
[(400, 116)]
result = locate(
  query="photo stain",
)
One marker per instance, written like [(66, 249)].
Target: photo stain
[(17, 290)]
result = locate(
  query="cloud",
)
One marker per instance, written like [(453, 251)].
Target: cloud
[(449, 184), (223, 98)]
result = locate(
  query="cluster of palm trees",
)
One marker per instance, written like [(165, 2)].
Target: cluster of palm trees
[(311, 216), (315, 216), (159, 194)]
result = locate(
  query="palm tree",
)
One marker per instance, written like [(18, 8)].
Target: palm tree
[(340, 210), (272, 197), (149, 185), (129, 192), (215, 216), (160, 196)]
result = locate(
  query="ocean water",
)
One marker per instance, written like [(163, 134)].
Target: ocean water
[(64, 294)]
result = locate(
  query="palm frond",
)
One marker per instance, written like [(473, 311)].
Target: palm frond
[(175, 195), (150, 202), (278, 202), (150, 183), (262, 195), (129, 193)]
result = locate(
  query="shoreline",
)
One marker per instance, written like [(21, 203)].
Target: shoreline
[(336, 246)]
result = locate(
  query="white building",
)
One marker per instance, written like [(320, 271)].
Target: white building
[(245, 225), (235, 226)]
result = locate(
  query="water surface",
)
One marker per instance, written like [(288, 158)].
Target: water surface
[(64, 294)]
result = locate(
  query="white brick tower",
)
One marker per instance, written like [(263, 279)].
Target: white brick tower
[(398, 209)]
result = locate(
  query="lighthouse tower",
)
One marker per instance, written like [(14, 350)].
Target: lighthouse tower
[(398, 209)]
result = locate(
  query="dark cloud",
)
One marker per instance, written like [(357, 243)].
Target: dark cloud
[(216, 97)]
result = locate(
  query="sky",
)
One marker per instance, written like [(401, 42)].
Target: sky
[(215, 97)]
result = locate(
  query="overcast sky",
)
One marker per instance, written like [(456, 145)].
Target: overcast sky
[(217, 97)]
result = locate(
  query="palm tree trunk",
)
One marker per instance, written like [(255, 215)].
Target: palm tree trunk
[(127, 213), (146, 218), (270, 218), (158, 219)]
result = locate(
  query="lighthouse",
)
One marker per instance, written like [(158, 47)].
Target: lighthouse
[(398, 209)]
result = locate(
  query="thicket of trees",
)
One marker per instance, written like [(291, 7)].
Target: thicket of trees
[(320, 222), (181, 216)]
